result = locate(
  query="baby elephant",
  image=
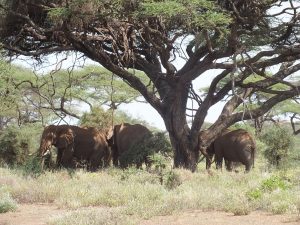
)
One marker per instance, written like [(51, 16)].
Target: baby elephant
[(233, 146)]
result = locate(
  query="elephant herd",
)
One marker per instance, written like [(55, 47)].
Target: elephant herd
[(98, 148), (89, 145)]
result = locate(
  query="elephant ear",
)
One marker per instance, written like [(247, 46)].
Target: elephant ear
[(65, 138)]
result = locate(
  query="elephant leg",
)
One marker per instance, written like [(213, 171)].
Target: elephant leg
[(106, 158), (218, 160), (94, 164), (115, 157), (219, 165), (229, 165), (247, 167), (148, 163), (209, 160), (59, 157), (67, 159)]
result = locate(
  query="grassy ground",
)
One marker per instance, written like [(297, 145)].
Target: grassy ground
[(140, 194)]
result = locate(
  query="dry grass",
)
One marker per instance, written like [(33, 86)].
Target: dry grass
[(140, 194)]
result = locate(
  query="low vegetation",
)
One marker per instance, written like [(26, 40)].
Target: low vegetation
[(130, 195)]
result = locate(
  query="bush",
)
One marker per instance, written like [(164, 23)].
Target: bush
[(273, 183), (98, 117), (267, 186), (279, 142), (171, 180), (145, 150), (102, 119), (18, 143), (32, 166), (6, 202)]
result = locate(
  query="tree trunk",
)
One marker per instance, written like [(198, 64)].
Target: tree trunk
[(185, 155), (184, 145)]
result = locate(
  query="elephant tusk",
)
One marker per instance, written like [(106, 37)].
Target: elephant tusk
[(46, 153)]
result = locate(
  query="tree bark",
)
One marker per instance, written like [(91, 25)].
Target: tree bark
[(184, 145)]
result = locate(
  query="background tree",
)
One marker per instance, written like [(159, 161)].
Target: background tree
[(241, 38), (279, 142), (28, 97)]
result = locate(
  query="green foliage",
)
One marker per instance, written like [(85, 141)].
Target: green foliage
[(171, 180), (102, 119), (98, 117), (32, 97), (254, 194), (55, 14), (269, 185), (6, 202), (278, 141), (32, 166), (188, 14), (143, 151), (273, 183), (18, 143), (159, 161)]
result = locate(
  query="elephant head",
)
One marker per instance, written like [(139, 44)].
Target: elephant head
[(59, 136), (76, 144)]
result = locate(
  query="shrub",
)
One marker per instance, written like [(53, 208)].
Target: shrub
[(171, 180), (273, 183), (32, 166), (102, 119), (17, 143), (142, 152), (279, 142), (6, 202), (98, 117)]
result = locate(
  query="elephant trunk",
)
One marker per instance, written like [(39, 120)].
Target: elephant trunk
[(44, 151)]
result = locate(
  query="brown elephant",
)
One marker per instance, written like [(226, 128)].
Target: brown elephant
[(233, 146), (75, 144), (122, 137)]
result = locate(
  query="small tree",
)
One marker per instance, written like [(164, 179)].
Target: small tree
[(17, 144), (278, 141), (146, 149)]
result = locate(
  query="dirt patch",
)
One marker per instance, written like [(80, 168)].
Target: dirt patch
[(197, 217), (39, 214), (31, 214)]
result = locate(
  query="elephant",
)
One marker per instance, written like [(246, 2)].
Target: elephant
[(75, 144), (122, 137), (233, 146)]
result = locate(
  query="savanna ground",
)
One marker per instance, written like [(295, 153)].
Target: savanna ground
[(133, 196)]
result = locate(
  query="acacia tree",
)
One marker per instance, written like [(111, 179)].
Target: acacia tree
[(28, 97), (239, 37)]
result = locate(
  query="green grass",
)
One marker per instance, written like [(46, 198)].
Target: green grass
[(132, 193), (6, 202)]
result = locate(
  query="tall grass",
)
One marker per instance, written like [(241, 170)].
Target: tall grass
[(140, 194)]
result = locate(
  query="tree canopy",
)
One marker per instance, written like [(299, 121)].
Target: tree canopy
[(28, 97), (233, 39)]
